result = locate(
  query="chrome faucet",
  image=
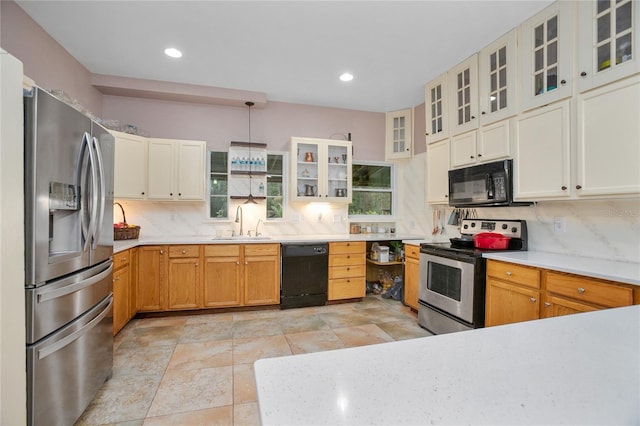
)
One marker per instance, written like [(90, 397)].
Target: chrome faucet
[(258, 224), (239, 217)]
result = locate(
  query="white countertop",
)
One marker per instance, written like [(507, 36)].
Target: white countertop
[(121, 245), (625, 272), (576, 369)]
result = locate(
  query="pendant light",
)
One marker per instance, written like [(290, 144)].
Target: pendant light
[(250, 199)]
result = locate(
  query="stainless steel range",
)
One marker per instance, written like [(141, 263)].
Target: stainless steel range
[(453, 276)]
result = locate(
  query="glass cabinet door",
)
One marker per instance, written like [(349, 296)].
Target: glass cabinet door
[(463, 86), (609, 31), (436, 109), (338, 176), (305, 171), (545, 56), (497, 79)]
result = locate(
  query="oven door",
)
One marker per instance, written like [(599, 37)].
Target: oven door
[(448, 284)]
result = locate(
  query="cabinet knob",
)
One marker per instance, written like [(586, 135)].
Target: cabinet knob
[(547, 304), (184, 252), (580, 290), (483, 113), (479, 155), (179, 194), (348, 281), (246, 263), (348, 268), (446, 195), (583, 74), (563, 82), (472, 157), (564, 188), (171, 193), (578, 186), (426, 134), (508, 273), (407, 149), (142, 193), (473, 117), (161, 251), (197, 264), (237, 263), (533, 300)]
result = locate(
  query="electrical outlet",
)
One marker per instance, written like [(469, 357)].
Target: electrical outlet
[(559, 224)]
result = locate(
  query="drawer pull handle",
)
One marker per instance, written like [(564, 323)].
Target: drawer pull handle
[(580, 290), (533, 300), (547, 304), (508, 273), (184, 252), (237, 263), (348, 269), (161, 251)]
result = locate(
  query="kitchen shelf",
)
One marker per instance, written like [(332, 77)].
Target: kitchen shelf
[(375, 262)]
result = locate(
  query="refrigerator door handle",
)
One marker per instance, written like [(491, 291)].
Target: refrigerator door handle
[(100, 184), (45, 352), (45, 295), (86, 167)]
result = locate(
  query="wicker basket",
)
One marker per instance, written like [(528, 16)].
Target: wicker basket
[(128, 233)]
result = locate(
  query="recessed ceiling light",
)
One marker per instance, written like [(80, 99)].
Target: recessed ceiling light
[(346, 77), (173, 52)]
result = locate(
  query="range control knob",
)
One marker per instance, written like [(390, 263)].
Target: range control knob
[(465, 226), (473, 224), (514, 229), (505, 226)]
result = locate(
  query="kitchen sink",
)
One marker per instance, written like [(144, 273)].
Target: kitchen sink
[(242, 238)]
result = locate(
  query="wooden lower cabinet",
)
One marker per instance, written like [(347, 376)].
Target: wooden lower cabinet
[(152, 290), (241, 275), (184, 288), (520, 293), (347, 270), (411, 275), (121, 290)]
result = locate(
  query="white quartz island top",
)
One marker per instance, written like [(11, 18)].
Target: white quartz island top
[(576, 369), (624, 272)]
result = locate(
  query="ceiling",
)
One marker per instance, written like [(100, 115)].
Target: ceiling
[(293, 51)]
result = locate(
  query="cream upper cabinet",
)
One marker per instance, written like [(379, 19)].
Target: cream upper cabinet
[(399, 134), (436, 109), (320, 170), (608, 139), (545, 52), (542, 163), (488, 143), (463, 96), (498, 79), (438, 172), (176, 170), (463, 149), (609, 41), (130, 166)]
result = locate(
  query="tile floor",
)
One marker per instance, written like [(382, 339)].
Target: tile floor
[(198, 369)]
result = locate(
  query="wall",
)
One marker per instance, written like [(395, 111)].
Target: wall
[(44, 60)]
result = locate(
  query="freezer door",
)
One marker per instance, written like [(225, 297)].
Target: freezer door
[(56, 178), (66, 370), (51, 306), (102, 239)]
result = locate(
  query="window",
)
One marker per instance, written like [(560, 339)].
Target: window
[(275, 186), (372, 186), (218, 200)]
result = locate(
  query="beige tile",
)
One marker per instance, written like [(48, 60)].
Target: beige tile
[(209, 318), (246, 414), (297, 324), (121, 399), (247, 351), (362, 335), (202, 332), (244, 384), (194, 356), (257, 327), (256, 314), (382, 314), (403, 330), (222, 416), (190, 390), (170, 321), (345, 319), (146, 360), (153, 336), (313, 341)]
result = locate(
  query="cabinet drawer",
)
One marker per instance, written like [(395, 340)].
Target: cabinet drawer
[(589, 290), (346, 288), (412, 251), (347, 259), (347, 271), (347, 247), (522, 275), (184, 251), (262, 249), (120, 259), (222, 250)]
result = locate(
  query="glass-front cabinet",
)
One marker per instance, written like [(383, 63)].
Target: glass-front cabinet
[(609, 40), (436, 109), (497, 79), (320, 170), (463, 92), (545, 56), (399, 132)]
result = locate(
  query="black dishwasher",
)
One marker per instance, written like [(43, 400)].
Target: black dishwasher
[(304, 274)]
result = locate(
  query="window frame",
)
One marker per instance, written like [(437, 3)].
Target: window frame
[(392, 190), (226, 218)]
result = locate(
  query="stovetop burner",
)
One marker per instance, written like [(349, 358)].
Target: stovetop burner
[(516, 229)]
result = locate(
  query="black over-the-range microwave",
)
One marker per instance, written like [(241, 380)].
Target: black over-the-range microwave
[(484, 185)]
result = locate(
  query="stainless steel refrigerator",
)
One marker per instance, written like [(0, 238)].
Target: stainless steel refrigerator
[(68, 258)]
